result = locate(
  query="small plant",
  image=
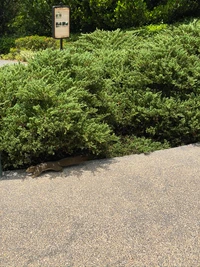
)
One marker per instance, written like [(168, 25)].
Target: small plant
[(15, 54), (156, 27), (35, 43), (24, 48)]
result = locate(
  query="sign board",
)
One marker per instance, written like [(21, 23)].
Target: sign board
[(61, 21)]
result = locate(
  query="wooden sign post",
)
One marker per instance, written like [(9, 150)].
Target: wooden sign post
[(61, 23)]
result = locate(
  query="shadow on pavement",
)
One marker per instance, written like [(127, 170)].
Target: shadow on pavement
[(92, 166)]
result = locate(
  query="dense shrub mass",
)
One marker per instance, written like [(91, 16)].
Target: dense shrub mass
[(112, 93), (43, 112), (23, 48), (35, 43), (150, 84)]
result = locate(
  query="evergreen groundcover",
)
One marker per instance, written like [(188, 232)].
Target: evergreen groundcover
[(111, 93)]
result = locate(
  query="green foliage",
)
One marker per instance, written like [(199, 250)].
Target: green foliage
[(135, 145), (43, 110), (5, 44), (8, 10), (174, 10), (130, 13), (147, 85), (112, 93), (35, 43), (20, 55), (23, 48), (34, 17), (156, 27)]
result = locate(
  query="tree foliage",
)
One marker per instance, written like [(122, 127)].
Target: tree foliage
[(34, 17), (8, 11)]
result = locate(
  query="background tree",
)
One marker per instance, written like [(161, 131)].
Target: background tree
[(34, 17), (174, 10), (130, 13), (8, 11), (29, 17)]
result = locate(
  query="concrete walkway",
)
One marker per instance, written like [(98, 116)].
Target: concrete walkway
[(9, 62), (6, 62), (131, 211)]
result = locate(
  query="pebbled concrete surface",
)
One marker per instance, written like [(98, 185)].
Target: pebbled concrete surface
[(6, 62), (138, 210), (9, 62)]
